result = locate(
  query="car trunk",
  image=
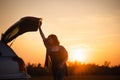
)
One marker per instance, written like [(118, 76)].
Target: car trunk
[(25, 24)]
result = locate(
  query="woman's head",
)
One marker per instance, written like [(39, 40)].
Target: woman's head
[(53, 40)]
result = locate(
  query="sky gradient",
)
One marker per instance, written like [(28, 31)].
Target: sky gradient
[(89, 25)]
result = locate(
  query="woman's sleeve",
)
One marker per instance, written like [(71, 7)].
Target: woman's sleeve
[(65, 54)]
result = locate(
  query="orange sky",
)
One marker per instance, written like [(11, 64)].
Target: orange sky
[(89, 25)]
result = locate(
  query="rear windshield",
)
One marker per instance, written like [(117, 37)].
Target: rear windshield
[(12, 33)]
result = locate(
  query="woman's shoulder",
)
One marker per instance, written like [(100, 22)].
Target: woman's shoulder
[(63, 50), (62, 47)]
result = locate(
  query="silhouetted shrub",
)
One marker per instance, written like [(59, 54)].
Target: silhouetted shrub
[(77, 68)]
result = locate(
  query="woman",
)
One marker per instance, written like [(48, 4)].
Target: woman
[(57, 54)]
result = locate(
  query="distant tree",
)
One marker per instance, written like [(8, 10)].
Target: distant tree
[(106, 64)]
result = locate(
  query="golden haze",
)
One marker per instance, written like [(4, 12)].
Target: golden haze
[(87, 27)]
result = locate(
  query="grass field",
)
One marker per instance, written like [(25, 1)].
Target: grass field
[(79, 78)]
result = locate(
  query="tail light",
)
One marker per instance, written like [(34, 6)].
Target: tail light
[(20, 63)]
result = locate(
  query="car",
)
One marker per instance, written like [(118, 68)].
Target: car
[(12, 67)]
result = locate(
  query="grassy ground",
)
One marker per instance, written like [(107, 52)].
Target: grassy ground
[(79, 78)]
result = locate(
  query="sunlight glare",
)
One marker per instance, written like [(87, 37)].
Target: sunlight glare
[(79, 55)]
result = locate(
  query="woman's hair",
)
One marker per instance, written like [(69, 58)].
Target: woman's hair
[(54, 38)]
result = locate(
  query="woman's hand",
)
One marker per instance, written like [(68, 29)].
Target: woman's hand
[(40, 20), (40, 23)]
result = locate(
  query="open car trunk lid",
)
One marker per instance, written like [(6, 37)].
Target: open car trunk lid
[(25, 24)]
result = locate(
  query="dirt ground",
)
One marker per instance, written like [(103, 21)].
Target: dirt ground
[(109, 77)]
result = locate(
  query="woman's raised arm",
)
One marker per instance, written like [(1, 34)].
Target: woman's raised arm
[(41, 32)]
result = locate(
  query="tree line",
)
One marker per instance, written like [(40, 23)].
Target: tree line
[(77, 68)]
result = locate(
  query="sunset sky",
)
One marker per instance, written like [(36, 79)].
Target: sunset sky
[(88, 29)]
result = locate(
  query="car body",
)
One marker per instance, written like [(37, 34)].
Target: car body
[(12, 66)]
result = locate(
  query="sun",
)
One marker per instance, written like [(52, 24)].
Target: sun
[(78, 55)]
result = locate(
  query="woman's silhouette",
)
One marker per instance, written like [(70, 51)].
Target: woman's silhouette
[(57, 54)]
